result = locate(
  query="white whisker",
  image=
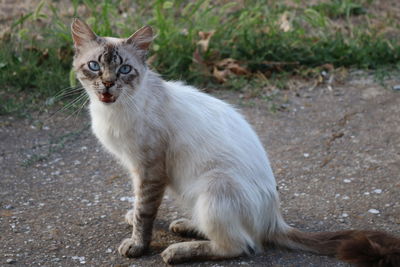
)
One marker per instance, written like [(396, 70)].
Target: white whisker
[(64, 92), (78, 111), (69, 105), (131, 103)]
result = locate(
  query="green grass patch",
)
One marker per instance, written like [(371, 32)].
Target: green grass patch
[(263, 37)]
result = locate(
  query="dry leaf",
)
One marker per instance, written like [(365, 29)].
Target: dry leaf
[(205, 39), (227, 67), (232, 65), (284, 23), (221, 75)]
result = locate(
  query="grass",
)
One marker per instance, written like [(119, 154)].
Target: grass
[(265, 40)]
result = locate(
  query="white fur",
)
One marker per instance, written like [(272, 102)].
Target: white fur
[(214, 160)]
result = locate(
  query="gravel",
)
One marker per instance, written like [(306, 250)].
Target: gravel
[(336, 156)]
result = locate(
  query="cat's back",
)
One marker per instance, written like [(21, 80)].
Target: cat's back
[(195, 111), (190, 97), (209, 128)]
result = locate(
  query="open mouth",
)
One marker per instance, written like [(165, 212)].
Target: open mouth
[(107, 98)]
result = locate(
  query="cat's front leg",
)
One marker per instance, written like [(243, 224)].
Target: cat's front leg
[(148, 196)]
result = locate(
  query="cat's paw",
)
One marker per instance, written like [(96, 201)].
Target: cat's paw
[(131, 248), (179, 226), (171, 254), (129, 217), (185, 227)]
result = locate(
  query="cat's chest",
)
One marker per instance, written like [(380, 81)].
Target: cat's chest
[(110, 133), (118, 135)]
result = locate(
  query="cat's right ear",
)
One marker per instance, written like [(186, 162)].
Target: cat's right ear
[(81, 33)]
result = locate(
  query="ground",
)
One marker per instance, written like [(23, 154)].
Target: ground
[(335, 153)]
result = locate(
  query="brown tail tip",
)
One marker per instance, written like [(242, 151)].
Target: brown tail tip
[(371, 249)]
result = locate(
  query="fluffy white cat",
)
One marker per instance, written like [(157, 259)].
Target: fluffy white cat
[(170, 135)]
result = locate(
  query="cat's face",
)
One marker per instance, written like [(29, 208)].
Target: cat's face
[(109, 67)]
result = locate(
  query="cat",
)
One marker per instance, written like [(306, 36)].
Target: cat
[(170, 135)]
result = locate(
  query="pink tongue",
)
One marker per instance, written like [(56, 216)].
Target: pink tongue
[(106, 97)]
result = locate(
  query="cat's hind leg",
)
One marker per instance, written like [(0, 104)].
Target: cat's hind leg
[(186, 228), (196, 251), (220, 213)]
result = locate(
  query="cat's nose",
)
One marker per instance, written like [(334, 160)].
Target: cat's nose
[(108, 84)]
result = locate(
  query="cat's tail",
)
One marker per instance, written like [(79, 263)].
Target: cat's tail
[(363, 248)]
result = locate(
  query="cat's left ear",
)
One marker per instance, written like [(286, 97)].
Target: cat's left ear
[(142, 38)]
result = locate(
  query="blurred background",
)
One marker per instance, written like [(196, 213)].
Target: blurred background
[(256, 47)]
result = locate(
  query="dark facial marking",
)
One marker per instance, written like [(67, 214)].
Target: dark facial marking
[(88, 74), (128, 78), (120, 58), (108, 53), (99, 59)]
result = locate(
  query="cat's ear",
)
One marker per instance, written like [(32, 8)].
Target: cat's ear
[(81, 33), (142, 38)]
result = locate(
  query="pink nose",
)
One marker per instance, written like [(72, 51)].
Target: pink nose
[(108, 84)]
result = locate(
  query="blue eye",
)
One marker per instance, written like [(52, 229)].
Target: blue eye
[(94, 66), (125, 69)]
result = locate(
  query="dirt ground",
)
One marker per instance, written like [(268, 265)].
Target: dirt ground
[(335, 153)]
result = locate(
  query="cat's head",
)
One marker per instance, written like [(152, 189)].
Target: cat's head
[(109, 67)]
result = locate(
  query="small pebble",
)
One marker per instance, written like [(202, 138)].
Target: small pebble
[(347, 181), (11, 261), (377, 191), (129, 199), (306, 155), (80, 259), (344, 215), (373, 211), (396, 87)]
